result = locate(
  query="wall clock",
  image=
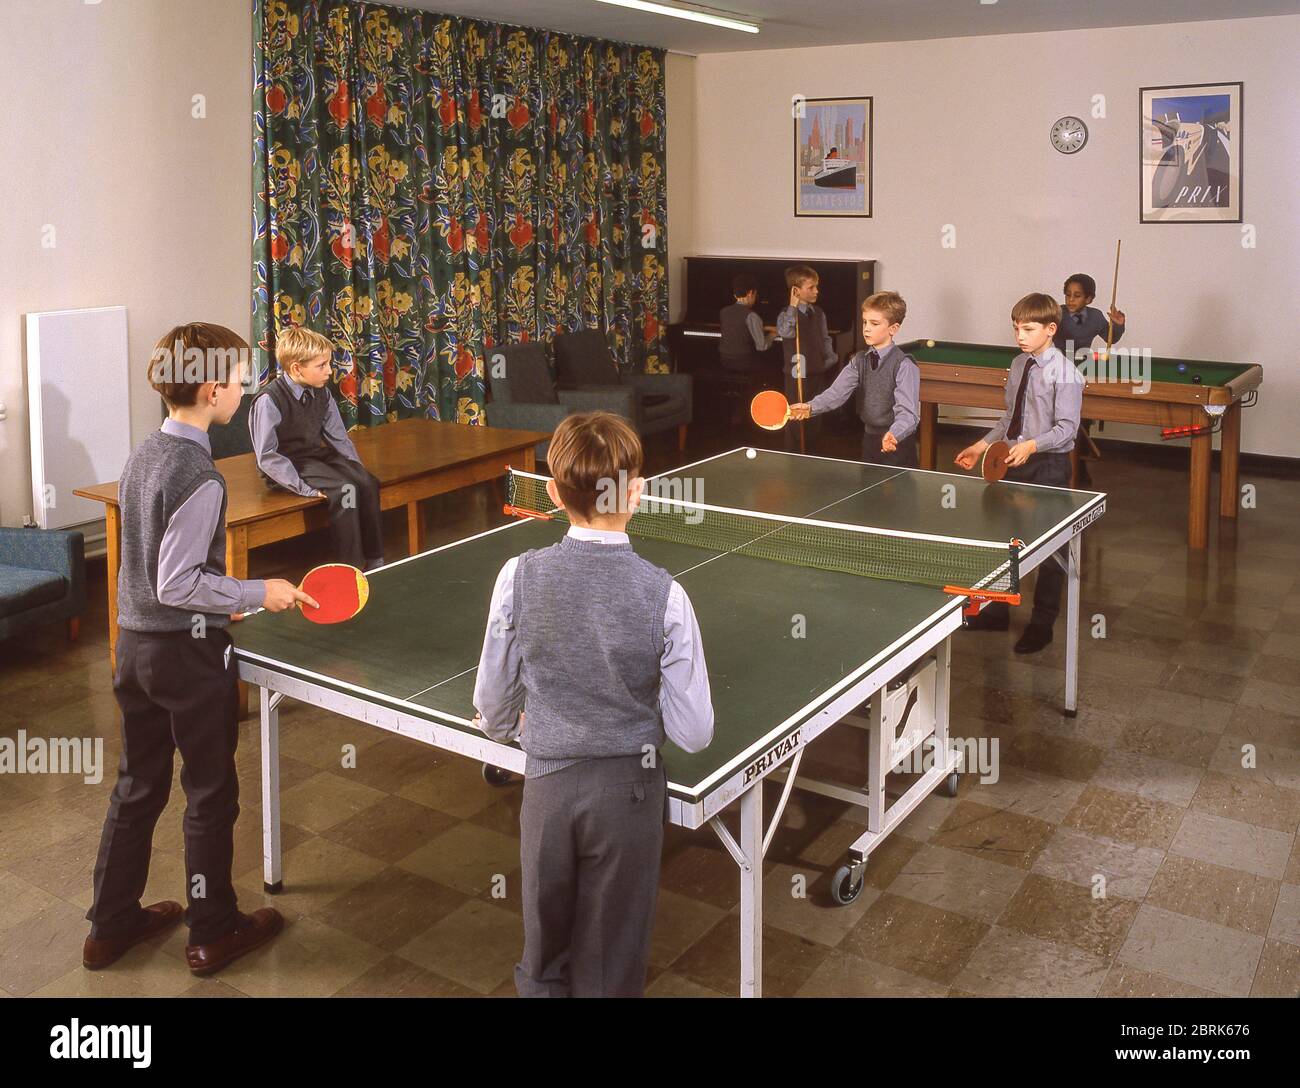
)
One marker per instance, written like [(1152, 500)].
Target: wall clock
[(1068, 135)]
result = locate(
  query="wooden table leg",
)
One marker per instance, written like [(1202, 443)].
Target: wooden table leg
[(113, 541), (929, 423), (1229, 459), (1198, 504), (414, 529), (237, 567), (528, 459)]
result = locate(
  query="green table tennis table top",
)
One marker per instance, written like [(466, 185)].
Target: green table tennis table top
[(953, 353), (416, 645)]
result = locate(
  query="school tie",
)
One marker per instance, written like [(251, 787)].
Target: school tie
[(1018, 412), (1078, 319), (873, 357)]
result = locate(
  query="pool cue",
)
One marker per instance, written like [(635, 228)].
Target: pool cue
[(798, 378), (1114, 293)]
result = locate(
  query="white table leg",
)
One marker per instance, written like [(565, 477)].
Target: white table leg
[(272, 861), (751, 892), (1072, 628)]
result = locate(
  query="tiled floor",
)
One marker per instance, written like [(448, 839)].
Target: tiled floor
[(1147, 846)]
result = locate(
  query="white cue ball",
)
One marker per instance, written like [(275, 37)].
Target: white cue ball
[(929, 343), (751, 454)]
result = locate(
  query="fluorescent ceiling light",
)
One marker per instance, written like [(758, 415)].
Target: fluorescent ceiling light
[(697, 15)]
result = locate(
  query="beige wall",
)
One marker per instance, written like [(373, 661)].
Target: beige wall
[(149, 206), (962, 138)]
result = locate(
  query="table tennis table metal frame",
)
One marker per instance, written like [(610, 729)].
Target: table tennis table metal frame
[(741, 778)]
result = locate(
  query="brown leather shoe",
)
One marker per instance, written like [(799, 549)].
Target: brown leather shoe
[(98, 954), (256, 929)]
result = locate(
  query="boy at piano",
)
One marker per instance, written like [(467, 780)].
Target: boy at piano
[(803, 331), (887, 382), (743, 335)]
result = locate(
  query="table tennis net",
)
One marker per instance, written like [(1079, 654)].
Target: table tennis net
[(947, 562)]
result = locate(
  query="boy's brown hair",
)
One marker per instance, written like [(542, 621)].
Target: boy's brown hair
[(589, 450), (798, 274), (1037, 307), (298, 345), (191, 355), (889, 303)]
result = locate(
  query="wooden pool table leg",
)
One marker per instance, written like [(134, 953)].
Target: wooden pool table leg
[(929, 422), (1198, 505), (1229, 458)]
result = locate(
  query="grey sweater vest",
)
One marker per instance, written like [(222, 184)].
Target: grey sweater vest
[(876, 389), (590, 622), (161, 473)]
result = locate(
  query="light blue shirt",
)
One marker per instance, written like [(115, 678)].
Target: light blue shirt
[(265, 417), (685, 699)]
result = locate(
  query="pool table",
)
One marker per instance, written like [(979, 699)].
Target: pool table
[(975, 376)]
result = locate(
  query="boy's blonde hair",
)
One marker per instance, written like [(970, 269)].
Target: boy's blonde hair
[(189, 356), (889, 303), (589, 450), (1037, 307), (298, 345)]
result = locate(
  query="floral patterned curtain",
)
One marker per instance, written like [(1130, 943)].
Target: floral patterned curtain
[(428, 186)]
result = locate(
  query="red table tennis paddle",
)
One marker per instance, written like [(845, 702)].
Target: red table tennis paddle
[(339, 589), (993, 466), (770, 410)]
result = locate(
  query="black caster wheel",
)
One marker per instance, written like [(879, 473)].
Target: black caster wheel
[(948, 787), (496, 776), (848, 882)]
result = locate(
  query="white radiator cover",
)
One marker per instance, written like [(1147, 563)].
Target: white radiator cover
[(79, 412)]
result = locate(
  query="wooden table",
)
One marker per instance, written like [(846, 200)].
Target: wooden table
[(975, 376), (413, 459)]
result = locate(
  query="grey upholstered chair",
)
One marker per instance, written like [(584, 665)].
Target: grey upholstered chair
[(42, 579), (663, 401), (524, 395)]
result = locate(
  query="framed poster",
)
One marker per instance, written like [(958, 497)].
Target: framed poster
[(832, 157), (1190, 153)]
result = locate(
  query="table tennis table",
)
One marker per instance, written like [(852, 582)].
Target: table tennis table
[(792, 650)]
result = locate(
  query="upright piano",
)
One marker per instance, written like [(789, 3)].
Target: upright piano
[(694, 339)]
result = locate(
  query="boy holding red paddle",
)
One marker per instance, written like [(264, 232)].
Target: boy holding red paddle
[(1044, 397), (175, 682), (888, 385)]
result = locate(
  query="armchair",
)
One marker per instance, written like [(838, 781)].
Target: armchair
[(42, 579)]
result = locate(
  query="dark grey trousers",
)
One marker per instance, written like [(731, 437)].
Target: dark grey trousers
[(591, 837)]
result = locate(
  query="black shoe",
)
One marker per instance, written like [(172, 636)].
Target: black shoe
[(989, 620), (1036, 636)]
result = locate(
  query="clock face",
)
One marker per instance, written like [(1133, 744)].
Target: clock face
[(1069, 134)]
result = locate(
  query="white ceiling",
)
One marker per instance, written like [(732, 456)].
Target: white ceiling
[(789, 25)]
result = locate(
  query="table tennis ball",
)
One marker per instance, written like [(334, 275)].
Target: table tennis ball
[(929, 343), (751, 453)]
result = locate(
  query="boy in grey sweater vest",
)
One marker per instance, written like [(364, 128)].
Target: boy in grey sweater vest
[(888, 384), (600, 652), (175, 682)]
